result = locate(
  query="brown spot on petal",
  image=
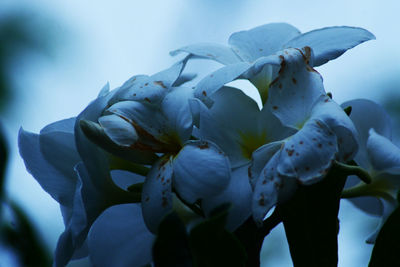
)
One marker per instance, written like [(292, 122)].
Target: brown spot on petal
[(146, 84), (301, 142), (320, 124), (147, 99), (307, 168), (261, 201), (147, 199), (319, 145), (204, 145), (260, 49), (289, 152), (280, 86), (160, 83), (275, 107), (264, 182), (294, 80), (134, 94), (204, 93), (249, 172)]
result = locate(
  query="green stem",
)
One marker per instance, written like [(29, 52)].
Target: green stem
[(353, 170)]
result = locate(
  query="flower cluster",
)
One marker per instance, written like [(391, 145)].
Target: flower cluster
[(153, 145)]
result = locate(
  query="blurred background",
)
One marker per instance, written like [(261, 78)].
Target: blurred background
[(56, 55)]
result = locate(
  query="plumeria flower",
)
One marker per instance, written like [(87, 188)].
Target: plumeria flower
[(238, 132), (193, 169), (324, 134), (380, 157), (248, 50), (76, 172)]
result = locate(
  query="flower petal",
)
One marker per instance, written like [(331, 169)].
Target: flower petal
[(339, 122), (331, 42), (157, 193), (151, 89), (382, 153), (377, 119), (58, 181), (154, 132), (308, 154), (216, 80), (119, 237), (118, 130), (217, 52), (239, 194), (293, 94), (261, 41), (201, 170), (260, 158), (175, 107), (265, 194), (389, 205)]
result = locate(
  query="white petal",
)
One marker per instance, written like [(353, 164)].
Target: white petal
[(308, 154), (382, 153), (93, 157), (339, 122), (217, 52), (293, 94), (389, 205), (149, 122), (175, 107), (216, 80), (266, 190), (331, 42), (201, 170), (157, 193), (365, 115), (260, 158), (239, 194), (120, 238), (151, 89), (118, 130), (261, 41), (58, 182)]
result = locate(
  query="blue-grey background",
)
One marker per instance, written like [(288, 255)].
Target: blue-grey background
[(93, 42)]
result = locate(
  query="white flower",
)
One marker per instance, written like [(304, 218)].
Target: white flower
[(380, 157)]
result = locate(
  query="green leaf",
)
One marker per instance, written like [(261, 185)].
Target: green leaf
[(387, 244), (171, 247), (212, 245)]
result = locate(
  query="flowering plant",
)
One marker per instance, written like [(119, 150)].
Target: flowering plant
[(158, 172)]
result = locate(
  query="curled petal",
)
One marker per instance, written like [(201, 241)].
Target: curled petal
[(57, 179), (382, 153), (118, 130), (376, 118), (175, 107), (266, 191), (294, 92), (216, 80), (331, 42), (308, 154), (339, 122), (151, 132), (260, 158), (201, 170), (217, 52), (151, 89), (119, 237), (157, 193), (261, 41)]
